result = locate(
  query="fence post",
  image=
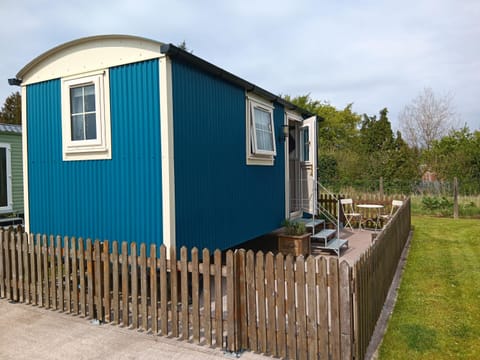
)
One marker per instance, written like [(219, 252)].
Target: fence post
[(236, 300), (240, 300), (333, 281), (231, 311), (346, 310), (455, 198), (380, 189)]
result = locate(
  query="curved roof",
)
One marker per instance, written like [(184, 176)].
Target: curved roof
[(88, 53), (103, 51)]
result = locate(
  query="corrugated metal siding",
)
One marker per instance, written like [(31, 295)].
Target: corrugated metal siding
[(117, 199), (15, 140), (220, 201)]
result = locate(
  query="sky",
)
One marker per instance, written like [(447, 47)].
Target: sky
[(374, 54)]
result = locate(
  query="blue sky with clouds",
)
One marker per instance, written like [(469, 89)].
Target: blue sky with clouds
[(371, 53)]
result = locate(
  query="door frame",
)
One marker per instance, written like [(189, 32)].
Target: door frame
[(8, 179), (309, 161), (299, 123)]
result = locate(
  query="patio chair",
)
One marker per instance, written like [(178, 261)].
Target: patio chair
[(396, 204), (349, 212)]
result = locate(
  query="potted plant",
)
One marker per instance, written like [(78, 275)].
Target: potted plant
[(294, 239)]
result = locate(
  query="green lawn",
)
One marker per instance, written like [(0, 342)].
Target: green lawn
[(437, 315)]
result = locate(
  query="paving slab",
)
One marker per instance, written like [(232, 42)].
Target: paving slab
[(30, 332)]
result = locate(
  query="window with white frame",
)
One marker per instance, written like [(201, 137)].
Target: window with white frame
[(261, 148), (5, 179), (86, 117)]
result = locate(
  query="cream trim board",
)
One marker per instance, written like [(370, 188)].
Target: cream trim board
[(26, 203), (167, 153), (88, 54), (257, 160), (287, 170), (293, 116), (255, 156), (265, 103)]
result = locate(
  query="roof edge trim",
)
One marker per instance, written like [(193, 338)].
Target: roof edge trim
[(175, 52), (39, 59)]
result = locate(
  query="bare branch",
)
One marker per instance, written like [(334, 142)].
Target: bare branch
[(427, 118)]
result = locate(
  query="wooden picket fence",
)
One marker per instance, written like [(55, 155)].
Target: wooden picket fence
[(286, 307), (329, 202), (269, 304), (374, 273)]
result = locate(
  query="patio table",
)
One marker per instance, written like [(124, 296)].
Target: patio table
[(375, 220)]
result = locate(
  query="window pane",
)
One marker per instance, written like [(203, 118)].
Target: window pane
[(3, 177), (77, 127), (76, 100), (306, 145), (82, 100), (89, 98), (263, 130), (90, 127)]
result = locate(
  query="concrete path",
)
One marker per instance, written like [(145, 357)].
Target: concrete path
[(29, 332)]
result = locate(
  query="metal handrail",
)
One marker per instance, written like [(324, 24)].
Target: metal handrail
[(324, 211), (313, 199)]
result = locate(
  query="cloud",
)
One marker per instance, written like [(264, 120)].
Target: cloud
[(373, 53)]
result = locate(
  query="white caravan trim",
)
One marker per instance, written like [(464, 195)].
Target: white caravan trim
[(167, 156)]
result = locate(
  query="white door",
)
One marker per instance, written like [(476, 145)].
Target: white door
[(308, 163)]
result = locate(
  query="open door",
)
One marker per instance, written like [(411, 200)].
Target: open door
[(308, 163), (302, 166)]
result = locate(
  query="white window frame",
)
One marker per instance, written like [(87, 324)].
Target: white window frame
[(256, 156), (94, 149), (8, 208)]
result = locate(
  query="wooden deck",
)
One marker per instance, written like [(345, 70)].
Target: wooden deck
[(358, 243)]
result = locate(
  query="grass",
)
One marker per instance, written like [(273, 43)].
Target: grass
[(437, 315)]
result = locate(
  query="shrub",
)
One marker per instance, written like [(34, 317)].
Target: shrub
[(437, 205), (294, 228)]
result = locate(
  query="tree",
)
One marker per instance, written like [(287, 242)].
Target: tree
[(11, 112), (386, 155), (355, 151), (404, 164), (183, 46), (338, 129), (337, 136), (457, 155), (427, 118), (376, 135), (376, 144)]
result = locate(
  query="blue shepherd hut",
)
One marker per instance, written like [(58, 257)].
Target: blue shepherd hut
[(127, 138)]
